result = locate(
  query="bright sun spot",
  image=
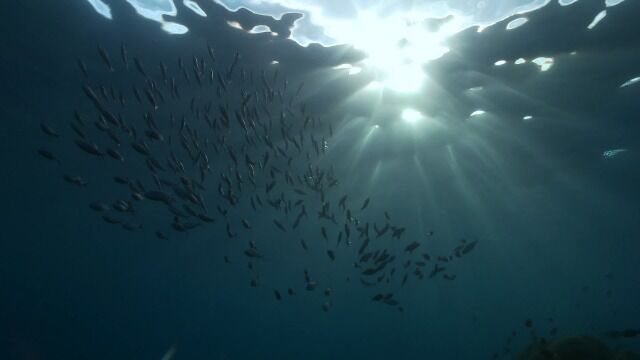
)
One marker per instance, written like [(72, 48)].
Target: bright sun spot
[(412, 116), (404, 78), (397, 45), (352, 70), (235, 25), (543, 62)]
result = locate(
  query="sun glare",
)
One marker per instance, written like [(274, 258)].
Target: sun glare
[(412, 116), (404, 78), (397, 46)]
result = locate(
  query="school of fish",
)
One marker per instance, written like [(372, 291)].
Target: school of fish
[(215, 140)]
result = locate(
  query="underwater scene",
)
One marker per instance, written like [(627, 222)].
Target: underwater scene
[(320, 179)]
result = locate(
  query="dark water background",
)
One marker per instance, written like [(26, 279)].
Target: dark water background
[(552, 216)]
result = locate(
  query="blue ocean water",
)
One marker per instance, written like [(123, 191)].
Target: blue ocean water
[(537, 169)]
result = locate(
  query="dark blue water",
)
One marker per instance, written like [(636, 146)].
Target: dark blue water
[(556, 222)]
